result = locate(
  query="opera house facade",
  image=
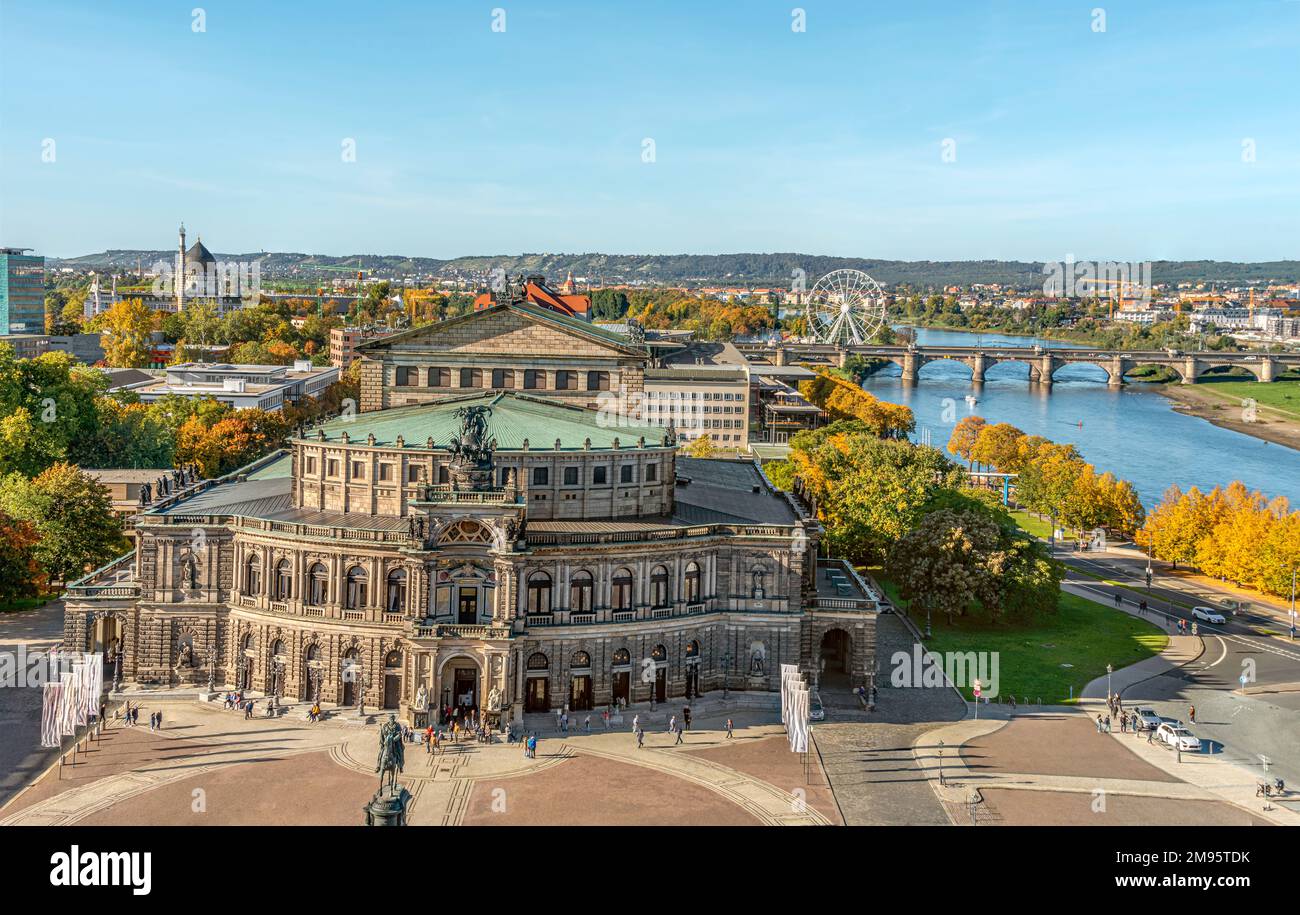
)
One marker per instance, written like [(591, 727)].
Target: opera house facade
[(495, 527)]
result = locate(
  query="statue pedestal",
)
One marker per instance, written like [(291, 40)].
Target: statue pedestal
[(387, 807), (756, 681)]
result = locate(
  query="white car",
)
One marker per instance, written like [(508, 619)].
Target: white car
[(815, 710), (1179, 738), (1208, 615), (1147, 717)]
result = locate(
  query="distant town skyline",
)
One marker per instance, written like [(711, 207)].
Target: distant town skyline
[(988, 130)]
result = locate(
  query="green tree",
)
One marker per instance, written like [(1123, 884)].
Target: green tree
[(72, 515)]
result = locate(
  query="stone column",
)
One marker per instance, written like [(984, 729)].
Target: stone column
[(1190, 370), (1267, 370), (977, 365), (1118, 366), (911, 364)]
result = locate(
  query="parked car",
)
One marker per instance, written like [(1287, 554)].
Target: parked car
[(1208, 615), (815, 710), (1147, 718), (1178, 737)]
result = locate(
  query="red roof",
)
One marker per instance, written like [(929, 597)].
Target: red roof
[(574, 306)]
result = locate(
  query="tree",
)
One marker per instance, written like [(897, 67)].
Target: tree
[(71, 513), (127, 330), (966, 562), (701, 447), (20, 574), (964, 436), (869, 491)]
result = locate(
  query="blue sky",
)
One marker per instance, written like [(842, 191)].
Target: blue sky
[(1125, 144)]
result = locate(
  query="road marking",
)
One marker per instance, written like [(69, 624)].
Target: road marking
[(1222, 656)]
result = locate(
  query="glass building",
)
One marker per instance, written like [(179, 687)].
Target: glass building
[(22, 292)]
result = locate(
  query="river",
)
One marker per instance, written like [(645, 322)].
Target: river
[(1133, 432)]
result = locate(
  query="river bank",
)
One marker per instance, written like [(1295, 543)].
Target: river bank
[(1228, 412)]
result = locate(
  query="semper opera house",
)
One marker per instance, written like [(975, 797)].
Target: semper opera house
[(495, 527)]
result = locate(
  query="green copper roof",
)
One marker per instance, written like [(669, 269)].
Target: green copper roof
[(515, 417)]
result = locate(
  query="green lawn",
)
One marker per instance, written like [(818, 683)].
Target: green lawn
[(26, 603), (1084, 635), (1283, 396), (1035, 526)]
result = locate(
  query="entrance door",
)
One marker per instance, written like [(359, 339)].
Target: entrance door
[(661, 684), (622, 686), (468, 614), (392, 690), (580, 693), (537, 695), (349, 693), (465, 688)]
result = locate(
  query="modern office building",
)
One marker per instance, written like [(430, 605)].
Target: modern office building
[(22, 292)]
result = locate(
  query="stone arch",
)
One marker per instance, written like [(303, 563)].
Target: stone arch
[(835, 652)]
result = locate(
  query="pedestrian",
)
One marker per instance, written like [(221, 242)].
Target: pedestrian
[(605, 716), (686, 717), (672, 724), (640, 738), (1191, 714), (1098, 724), (679, 735), (1123, 723), (248, 710), (158, 714), (1151, 732), (1118, 599), (636, 722), (103, 710), (1107, 724), (586, 724), (729, 734)]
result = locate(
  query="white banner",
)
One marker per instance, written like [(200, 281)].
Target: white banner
[(51, 697)]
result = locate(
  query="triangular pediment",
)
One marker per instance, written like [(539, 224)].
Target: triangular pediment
[(505, 329)]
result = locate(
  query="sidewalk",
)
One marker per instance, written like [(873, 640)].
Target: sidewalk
[(1213, 775)]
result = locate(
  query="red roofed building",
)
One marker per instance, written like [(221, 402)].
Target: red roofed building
[(535, 291)]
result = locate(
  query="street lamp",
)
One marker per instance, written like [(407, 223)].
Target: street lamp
[(1109, 670), (941, 781), (726, 672)]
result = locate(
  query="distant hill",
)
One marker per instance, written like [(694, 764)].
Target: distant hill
[(691, 269)]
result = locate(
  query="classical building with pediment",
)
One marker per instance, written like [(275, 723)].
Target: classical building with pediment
[(493, 530)]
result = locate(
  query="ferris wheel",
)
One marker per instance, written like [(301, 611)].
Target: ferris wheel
[(845, 307)]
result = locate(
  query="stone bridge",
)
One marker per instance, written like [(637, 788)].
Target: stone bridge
[(1043, 362)]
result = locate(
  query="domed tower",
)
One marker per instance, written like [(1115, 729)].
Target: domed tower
[(569, 287)]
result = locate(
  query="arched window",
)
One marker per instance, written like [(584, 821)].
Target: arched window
[(277, 648), (692, 583), (660, 653), (659, 587), (580, 586), (317, 584), (539, 593), (313, 652), (283, 580), (622, 658), (538, 661), (395, 599), (692, 650), (393, 659), (355, 596), (758, 578), (580, 659), (253, 575), (248, 641), (621, 592)]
